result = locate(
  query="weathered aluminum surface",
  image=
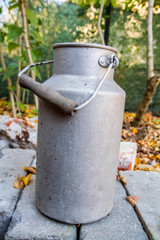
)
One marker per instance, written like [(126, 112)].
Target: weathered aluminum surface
[(79, 45), (77, 155)]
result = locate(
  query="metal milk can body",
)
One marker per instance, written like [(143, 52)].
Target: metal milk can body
[(77, 155)]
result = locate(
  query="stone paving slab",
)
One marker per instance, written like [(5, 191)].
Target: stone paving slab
[(146, 185), (28, 223), (121, 224), (12, 162)]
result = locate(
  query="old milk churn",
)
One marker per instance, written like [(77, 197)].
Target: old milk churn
[(79, 129)]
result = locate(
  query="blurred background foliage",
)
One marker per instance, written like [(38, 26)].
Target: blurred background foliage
[(51, 22)]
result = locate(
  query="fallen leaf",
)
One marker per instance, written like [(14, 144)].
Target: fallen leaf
[(137, 161), (158, 156), (134, 130), (31, 115), (29, 124), (27, 110), (144, 167), (26, 179), (157, 168), (78, 225), (124, 133), (132, 200), (148, 116), (117, 176), (123, 180), (9, 123), (18, 183), (30, 169)]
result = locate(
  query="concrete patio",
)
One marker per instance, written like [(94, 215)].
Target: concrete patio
[(20, 219)]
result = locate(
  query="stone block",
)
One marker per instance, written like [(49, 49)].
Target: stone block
[(28, 223), (11, 164), (146, 186), (122, 223)]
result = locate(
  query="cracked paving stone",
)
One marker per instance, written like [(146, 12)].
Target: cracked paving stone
[(11, 164), (28, 223)]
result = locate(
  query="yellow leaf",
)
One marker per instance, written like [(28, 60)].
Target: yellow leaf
[(132, 200), (157, 169), (29, 124), (27, 110), (144, 167), (18, 183), (30, 169), (157, 149), (31, 115), (134, 130), (26, 179), (137, 161), (123, 180), (158, 156)]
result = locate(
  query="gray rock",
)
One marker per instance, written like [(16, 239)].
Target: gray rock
[(11, 164), (121, 224), (4, 144), (19, 133), (146, 185), (28, 223)]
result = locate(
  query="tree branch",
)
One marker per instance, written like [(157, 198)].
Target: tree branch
[(26, 39), (9, 82)]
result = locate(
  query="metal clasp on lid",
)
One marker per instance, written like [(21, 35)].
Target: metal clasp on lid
[(105, 60)]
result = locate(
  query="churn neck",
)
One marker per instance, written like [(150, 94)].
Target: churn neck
[(80, 58)]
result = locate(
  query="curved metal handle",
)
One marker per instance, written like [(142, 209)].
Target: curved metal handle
[(112, 63), (66, 105)]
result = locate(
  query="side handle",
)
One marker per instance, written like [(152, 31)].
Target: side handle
[(67, 106), (47, 94)]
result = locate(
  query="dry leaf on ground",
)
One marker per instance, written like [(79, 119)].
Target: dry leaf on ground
[(145, 167), (132, 200), (27, 123), (9, 123), (147, 138), (117, 176), (26, 179), (123, 180), (18, 183), (30, 169)]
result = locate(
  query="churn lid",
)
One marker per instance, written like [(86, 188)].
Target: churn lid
[(92, 45)]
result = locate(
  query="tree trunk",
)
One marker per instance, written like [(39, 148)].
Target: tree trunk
[(23, 95), (18, 88), (99, 22), (150, 64), (51, 40), (107, 23), (26, 39), (151, 87), (153, 80), (9, 82)]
